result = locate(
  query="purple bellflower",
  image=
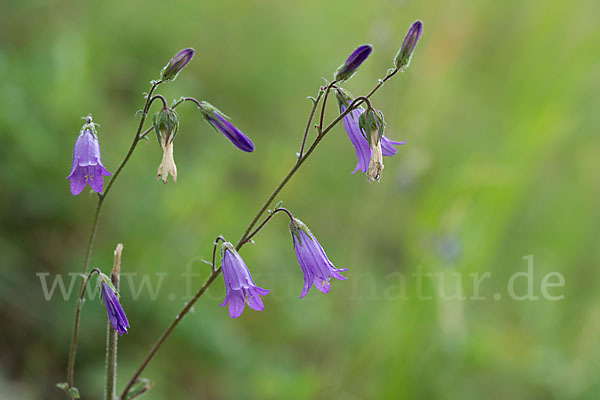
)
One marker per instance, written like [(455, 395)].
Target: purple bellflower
[(239, 285), (317, 268), (177, 63), (347, 69), (87, 163), (116, 315), (220, 122), (364, 152)]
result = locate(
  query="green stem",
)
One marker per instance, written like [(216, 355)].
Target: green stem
[(110, 379), (243, 240), (88, 251)]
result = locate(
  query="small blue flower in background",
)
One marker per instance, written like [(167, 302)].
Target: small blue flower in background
[(239, 285), (116, 315), (317, 268), (87, 163)]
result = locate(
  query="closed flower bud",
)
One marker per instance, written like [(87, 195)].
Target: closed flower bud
[(220, 122), (347, 69), (177, 63), (116, 315), (166, 124), (404, 55)]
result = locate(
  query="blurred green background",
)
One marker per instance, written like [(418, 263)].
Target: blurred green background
[(500, 110)]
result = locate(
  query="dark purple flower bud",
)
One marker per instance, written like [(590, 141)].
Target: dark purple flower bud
[(317, 268), (347, 69), (87, 163), (219, 121), (116, 315), (177, 63), (403, 57), (364, 152), (239, 285)]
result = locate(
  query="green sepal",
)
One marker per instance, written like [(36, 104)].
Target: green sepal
[(208, 110), (165, 123), (106, 279), (141, 386), (296, 226), (343, 97), (368, 123), (380, 125), (71, 391)]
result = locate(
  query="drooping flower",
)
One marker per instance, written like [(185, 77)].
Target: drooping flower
[(239, 285), (177, 63), (116, 315), (87, 163), (166, 125), (219, 121), (363, 148), (376, 163), (317, 268), (347, 69), (402, 59)]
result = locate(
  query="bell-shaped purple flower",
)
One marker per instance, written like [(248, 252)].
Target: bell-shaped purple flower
[(361, 144), (347, 69), (219, 121), (317, 268), (239, 285), (116, 315), (87, 163)]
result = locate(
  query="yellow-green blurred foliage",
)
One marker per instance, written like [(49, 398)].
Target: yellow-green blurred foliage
[(500, 111)]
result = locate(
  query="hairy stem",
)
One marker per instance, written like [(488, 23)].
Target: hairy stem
[(310, 118), (88, 251), (327, 90), (241, 242), (110, 378)]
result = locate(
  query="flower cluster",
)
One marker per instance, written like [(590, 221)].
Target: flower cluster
[(364, 125), (315, 265)]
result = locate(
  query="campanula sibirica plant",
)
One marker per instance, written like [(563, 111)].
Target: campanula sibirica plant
[(365, 126)]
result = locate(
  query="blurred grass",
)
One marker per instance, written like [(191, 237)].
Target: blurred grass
[(499, 108)]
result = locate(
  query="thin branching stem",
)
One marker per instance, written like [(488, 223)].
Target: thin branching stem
[(244, 238), (88, 251), (310, 118)]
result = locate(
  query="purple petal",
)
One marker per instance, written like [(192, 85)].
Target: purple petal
[(323, 285), (232, 133), (363, 151), (78, 180), (95, 178), (236, 303), (387, 146), (254, 301)]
